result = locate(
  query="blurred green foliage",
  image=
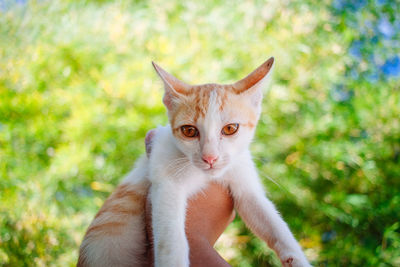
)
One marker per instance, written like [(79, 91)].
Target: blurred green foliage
[(78, 93)]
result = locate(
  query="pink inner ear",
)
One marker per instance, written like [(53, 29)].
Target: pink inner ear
[(254, 77), (167, 100)]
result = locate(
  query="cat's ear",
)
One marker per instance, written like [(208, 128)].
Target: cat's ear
[(253, 83), (174, 88)]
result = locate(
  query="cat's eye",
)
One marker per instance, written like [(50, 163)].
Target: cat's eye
[(189, 131), (230, 129)]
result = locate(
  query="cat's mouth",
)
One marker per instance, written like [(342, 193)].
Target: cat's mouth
[(215, 169), (208, 167)]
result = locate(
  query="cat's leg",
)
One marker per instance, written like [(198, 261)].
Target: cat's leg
[(117, 236), (173, 180), (168, 200), (261, 216)]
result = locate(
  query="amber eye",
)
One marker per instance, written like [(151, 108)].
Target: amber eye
[(189, 131), (230, 129)]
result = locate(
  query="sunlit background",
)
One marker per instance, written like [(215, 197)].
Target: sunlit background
[(78, 93)]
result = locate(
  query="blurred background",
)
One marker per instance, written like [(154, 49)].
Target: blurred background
[(78, 94)]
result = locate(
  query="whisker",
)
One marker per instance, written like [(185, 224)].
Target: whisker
[(264, 175), (271, 179)]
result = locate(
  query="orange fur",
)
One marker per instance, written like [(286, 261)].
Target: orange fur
[(199, 96), (117, 217)]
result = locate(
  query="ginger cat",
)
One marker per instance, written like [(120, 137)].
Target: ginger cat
[(211, 127)]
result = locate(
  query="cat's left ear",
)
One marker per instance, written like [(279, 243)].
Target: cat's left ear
[(174, 88), (253, 83)]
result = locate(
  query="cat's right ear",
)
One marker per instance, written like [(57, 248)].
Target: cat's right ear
[(174, 88)]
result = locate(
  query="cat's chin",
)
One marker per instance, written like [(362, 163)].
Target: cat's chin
[(214, 172)]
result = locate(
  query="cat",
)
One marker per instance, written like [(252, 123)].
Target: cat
[(207, 139)]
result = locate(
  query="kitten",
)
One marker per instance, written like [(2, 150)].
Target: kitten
[(211, 127)]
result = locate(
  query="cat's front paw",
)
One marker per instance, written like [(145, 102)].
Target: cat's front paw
[(295, 261)]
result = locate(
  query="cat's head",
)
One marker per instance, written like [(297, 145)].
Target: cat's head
[(214, 123)]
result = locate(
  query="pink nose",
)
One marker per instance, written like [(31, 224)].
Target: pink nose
[(210, 159)]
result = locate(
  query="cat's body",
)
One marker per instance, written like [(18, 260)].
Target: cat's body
[(211, 127)]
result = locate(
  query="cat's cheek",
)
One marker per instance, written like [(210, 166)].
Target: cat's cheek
[(245, 138), (233, 146), (188, 148)]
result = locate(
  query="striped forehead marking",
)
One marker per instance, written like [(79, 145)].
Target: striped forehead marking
[(207, 96)]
